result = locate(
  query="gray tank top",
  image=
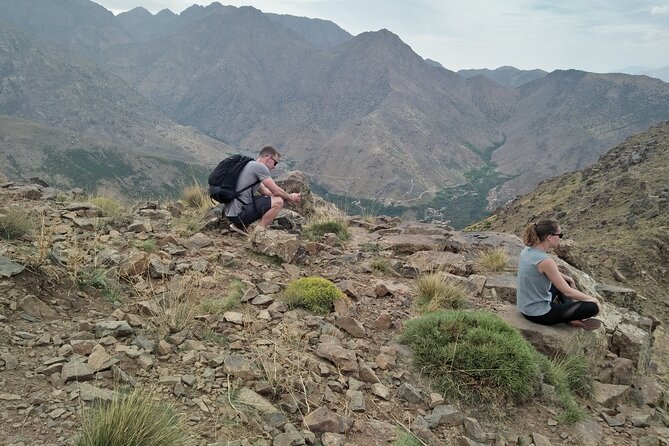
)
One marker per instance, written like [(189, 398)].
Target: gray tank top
[(533, 289)]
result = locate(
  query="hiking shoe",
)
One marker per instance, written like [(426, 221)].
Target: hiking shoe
[(239, 230), (587, 324)]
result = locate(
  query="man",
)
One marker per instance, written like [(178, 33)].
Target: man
[(248, 207)]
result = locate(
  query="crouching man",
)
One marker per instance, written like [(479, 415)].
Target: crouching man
[(264, 200)]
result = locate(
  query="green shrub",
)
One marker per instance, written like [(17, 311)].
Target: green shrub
[(370, 247), (406, 439), (312, 293), (317, 230), (135, 419), (568, 374), (474, 355), (15, 223), (97, 278), (494, 259), (435, 292)]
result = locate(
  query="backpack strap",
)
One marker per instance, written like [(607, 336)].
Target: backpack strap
[(238, 193)]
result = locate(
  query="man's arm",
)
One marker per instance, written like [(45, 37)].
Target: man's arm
[(270, 188)]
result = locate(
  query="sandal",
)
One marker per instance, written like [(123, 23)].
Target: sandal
[(587, 324)]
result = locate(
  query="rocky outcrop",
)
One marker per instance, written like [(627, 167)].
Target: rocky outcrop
[(201, 319)]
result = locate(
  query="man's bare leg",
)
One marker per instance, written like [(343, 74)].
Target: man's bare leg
[(269, 216)]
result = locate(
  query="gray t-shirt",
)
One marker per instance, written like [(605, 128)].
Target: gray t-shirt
[(252, 172), (533, 288)]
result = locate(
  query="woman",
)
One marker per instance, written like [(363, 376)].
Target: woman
[(544, 295)]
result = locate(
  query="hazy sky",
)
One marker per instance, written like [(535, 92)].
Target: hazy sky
[(592, 35)]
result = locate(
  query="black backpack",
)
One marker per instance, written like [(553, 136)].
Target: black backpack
[(223, 180)]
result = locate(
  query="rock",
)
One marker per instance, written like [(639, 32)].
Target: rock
[(412, 243), (234, 317), (157, 270), (76, 371), (383, 322), (504, 285), (36, 308), (324, 420), (410, 393), (9, 268), (135, 265), (381, 391), (196, 242), (343, 358), (622, 297), (366, 374), (633, 343), (279, 244), (330, 439), (250, 398), (540, 440), (649, 440), (10, 361), (351, 326), (117, 329), (239, 366), (608, 395), (474, 430), (140, 226), (436, 399), (356, 400), (99, 360), (444, 415), (557, 339), (10, 397), (291, 438), (91, 393)]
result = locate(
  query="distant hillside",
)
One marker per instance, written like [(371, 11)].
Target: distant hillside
[(661, 73), (508, 76), (49, 86), (617, 210), (363, 116), (65, 159)]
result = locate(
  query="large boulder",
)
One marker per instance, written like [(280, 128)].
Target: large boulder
[(412, 243), (279, 244), (558, 339)]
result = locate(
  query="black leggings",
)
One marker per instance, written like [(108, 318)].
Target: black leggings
[(565, 310)]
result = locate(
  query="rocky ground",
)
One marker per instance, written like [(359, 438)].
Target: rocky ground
[(92, 305)]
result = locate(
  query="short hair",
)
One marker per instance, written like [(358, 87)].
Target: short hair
[(269, 151)]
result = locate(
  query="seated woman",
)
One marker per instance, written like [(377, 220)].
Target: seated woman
[(544, 295)]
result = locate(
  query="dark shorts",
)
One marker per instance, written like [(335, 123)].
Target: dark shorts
[(565, 310), (252, 212)]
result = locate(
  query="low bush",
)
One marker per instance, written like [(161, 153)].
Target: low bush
[(474, 355), (135, 419), (317, 230), (494, 259), (435, 292), (569, 374), (407, 439), (312, 293), (15, 223)]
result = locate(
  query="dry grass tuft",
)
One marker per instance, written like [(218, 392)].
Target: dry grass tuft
[(14, 223), (110, 206), (134, 419), (178, 306), (196, 196), (436, 292), (496, 259)]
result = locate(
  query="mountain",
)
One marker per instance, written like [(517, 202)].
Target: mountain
[(140, 24), (661, 73), (271, 86), (319, 33), (565, 120), (364, 116), (78, 25), (616, 210), (54, 89), (508, 76)]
